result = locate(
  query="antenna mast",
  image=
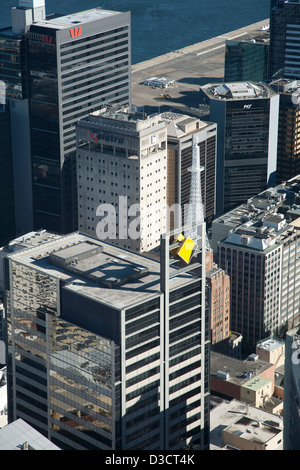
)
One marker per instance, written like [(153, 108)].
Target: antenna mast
[(195, 215)]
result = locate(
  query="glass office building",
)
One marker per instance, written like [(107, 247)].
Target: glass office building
[(107, 349), (57, 69), (247, 117), (247, 59), (77, 64), (284, 58)]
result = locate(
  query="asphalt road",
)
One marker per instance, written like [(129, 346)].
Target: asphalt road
[(190, 67)]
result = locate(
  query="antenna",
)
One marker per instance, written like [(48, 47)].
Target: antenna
[(195, 215)]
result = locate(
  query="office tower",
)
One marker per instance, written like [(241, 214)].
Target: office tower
[(218, 297), (122, 168), (107, 349), (77, 64), (284, 40), (291, 417), (258, 246), (247, 117), (15, 124), (181, 130), (288, 154), (7, 227), (247, 59), (73, 65)]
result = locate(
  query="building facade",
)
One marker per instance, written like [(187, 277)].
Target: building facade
[(73, 65), (122, 169), (257, 245), (218, 296), (182, 131), (246, 114), (107, 349), (77, 64), (288, 152), (247, 59), (284, 58)]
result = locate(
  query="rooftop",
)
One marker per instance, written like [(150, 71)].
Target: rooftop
[(237, 91), (190, 67), (238, 371), (117, 119), (256, 383), (270, 344), (228, 413), (104, 272), (67, 21), (19, 435), (180, 125), (252, 430), (265, 219)]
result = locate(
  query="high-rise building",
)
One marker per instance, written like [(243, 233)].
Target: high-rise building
[(73, 65), (247, 59), (257, 244), (218, 297), (288, 150), (247, 117), (122, 169), (284, 57), (291, 417), (15, 147), (108, 349), (7, 227)]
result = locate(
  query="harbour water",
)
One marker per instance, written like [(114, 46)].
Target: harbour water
[(161, 26)]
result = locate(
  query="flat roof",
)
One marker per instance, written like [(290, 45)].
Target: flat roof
[(238, 90), (238, 369), (74, 19), (14, 435), (256, 383), (270, 344), (251, 430), (228, 412), (113, 276)]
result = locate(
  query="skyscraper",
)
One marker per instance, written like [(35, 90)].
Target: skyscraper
[(288, 151), (122, 168), (108, 349), (284, 57), (246, 114), (247, 59), (257, 244), (73, 65)]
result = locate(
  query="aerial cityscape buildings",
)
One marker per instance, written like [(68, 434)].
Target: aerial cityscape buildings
[(123, 326), (258, 246), (93, 383), (246, 115), (122, 166), (67, 67), (284, 40)]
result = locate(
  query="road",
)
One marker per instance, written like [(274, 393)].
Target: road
[(190, 67)]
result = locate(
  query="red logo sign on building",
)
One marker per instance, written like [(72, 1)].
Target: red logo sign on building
[(75, 32), (47, 39)]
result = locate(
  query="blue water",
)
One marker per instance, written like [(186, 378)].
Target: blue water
[(161, 26)]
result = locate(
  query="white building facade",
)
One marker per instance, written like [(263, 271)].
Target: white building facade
[(122, 178)]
